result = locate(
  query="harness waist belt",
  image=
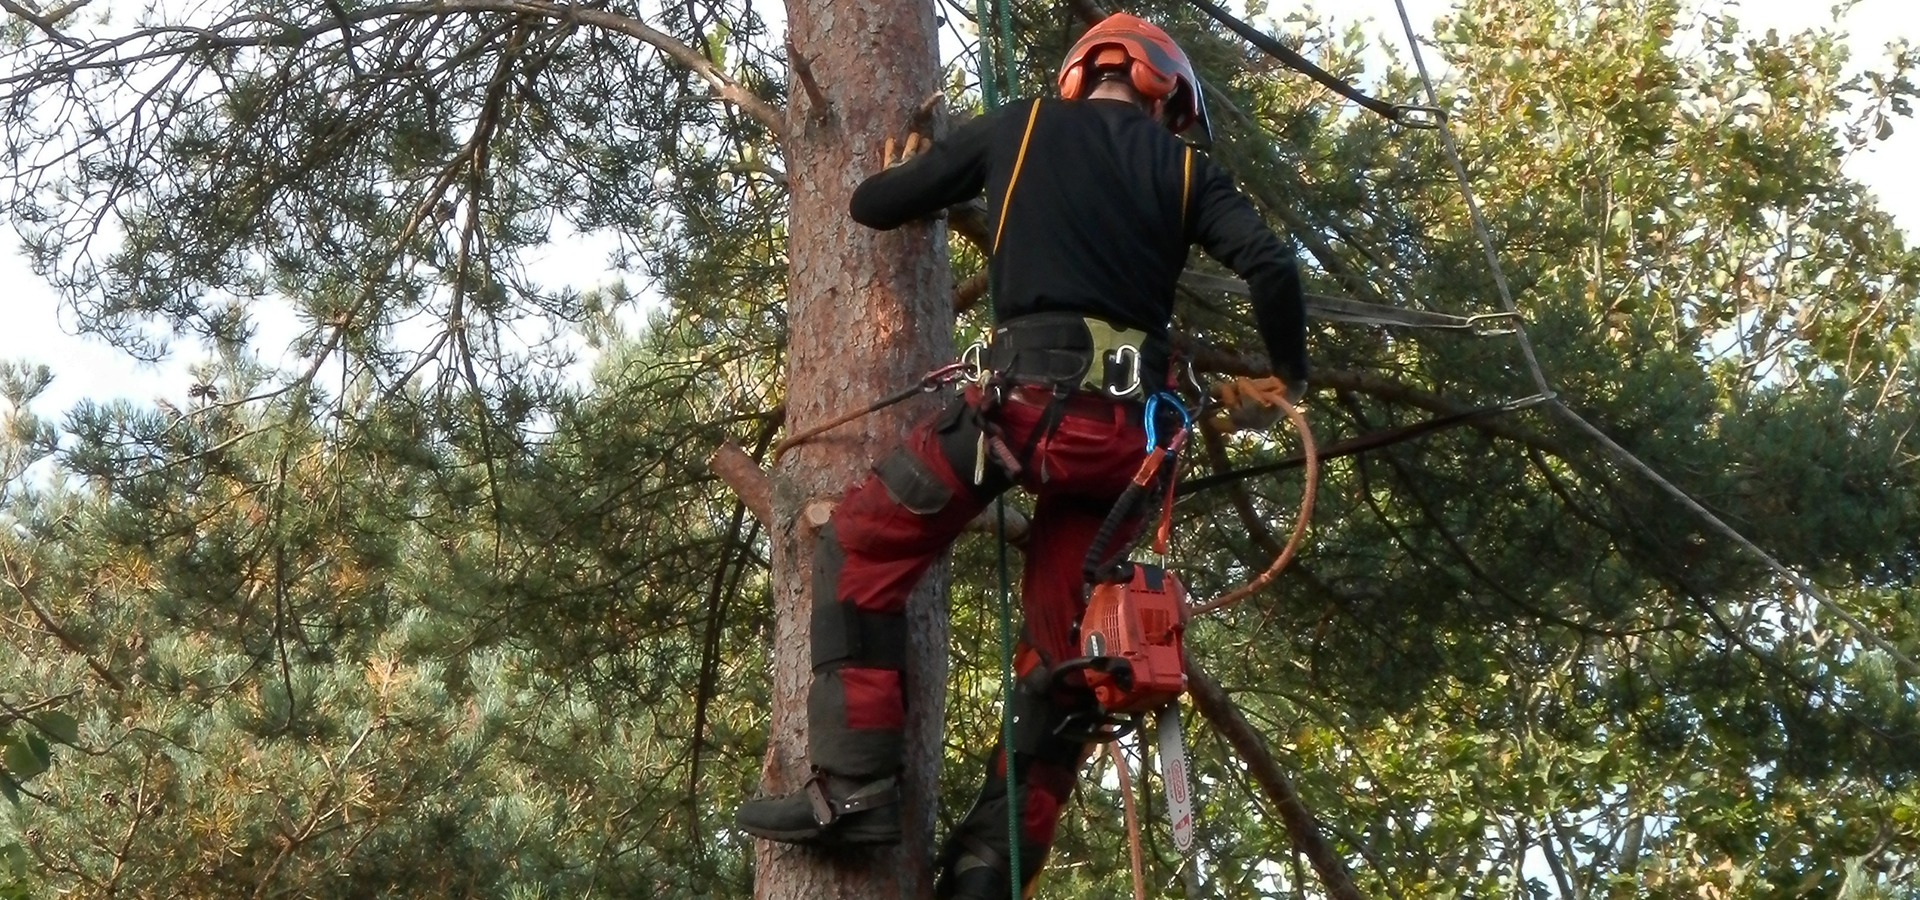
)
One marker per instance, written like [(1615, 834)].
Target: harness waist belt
[(1064, 350)]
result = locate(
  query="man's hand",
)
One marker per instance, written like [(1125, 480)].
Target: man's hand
[(895, 154), (1254, 403)]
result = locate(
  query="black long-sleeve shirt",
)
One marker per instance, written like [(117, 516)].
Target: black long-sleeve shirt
[(1097, 224)]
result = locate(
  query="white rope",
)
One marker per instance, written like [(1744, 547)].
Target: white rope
[(1804, 584)]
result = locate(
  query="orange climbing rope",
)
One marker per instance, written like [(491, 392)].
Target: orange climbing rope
[(1295, 540), (1133, 821)]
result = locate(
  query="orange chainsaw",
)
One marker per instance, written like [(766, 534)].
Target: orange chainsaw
[(1130, 641)]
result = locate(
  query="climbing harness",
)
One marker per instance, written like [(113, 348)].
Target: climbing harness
[(1069, 352)]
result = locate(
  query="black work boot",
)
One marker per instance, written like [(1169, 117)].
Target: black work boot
[(828, 810)]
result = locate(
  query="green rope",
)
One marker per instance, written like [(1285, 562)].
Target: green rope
[(989, 91), (1006, 43), (996, 54), (1006, 707), (990, 94)]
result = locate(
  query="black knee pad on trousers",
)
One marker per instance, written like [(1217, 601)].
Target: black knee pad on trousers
[(844, 634), (847, 637)]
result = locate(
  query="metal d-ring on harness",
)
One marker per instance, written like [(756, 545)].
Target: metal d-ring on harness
[(1128, 356)]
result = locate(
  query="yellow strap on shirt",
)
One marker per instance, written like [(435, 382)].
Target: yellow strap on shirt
[(1007, 200), (1186, 187)]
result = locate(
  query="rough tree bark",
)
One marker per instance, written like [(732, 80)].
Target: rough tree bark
[(867, 313)]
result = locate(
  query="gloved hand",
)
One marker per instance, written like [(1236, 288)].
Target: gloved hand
[(897, 153), (1254, 403)]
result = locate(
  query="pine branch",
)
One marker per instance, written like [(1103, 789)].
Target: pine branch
[(260, 30), (1303, 828), (21, 583)]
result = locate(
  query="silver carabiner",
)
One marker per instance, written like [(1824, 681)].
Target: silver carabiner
[(1130, 355), (1423, 118), (970, 361), (1481, 327)]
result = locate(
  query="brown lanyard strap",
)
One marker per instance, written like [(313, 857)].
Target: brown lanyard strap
[(1018, 161)]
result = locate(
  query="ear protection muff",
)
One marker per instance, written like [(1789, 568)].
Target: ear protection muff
[(1156, 67)]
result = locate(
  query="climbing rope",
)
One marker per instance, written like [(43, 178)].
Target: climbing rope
[(1423, 117), (1342, 309), (1135, 855), (1484, 234), (928, 383), (1300, 520), (1358, 445), (1005, 51), (990, 95), (1006, 692)]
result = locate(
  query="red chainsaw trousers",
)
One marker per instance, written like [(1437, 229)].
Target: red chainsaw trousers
[(890, 529)]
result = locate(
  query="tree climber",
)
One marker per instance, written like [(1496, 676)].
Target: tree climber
[(1094, 204)]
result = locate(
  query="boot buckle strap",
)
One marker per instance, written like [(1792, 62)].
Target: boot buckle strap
[(827, 810), (882, 793), (823, 809)]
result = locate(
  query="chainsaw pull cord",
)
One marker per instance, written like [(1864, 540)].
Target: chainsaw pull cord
[(1300, 521)]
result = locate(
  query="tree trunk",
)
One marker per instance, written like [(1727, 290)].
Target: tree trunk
[(867, 314)]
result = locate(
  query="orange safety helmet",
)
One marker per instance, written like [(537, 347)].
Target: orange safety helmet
[(1156, 67)]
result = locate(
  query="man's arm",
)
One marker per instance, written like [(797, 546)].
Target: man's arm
[(1231, 231), (952, 170)]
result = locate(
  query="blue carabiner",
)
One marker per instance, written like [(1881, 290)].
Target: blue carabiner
[(1186, 418)]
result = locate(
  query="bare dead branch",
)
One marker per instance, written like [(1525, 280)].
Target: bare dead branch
[(927, 114), (1303, 828), (819, 109)]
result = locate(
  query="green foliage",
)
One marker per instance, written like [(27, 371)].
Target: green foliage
[(452, 607)]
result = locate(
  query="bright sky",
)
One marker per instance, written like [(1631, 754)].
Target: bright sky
[(36, 329)]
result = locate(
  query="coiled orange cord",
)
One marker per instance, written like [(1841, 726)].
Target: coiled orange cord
[(1300, 521)]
